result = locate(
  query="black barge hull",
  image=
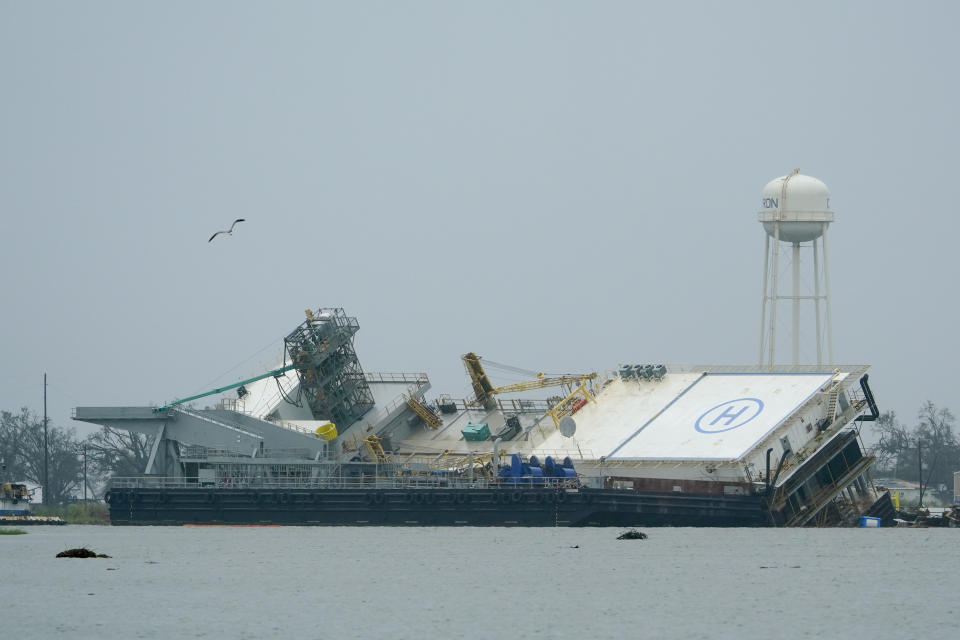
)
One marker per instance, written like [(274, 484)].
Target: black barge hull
[(489, 507)]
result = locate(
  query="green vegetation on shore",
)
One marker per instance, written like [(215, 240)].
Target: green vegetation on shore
[(77, 513), (12, 532)]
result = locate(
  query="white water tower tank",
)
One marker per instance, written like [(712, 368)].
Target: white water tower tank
[(800, 203)]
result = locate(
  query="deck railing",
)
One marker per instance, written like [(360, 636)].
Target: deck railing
[(400, 483), (412, 378)]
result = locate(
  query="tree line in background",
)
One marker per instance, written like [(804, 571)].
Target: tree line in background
[(108, 452), (927, 452)]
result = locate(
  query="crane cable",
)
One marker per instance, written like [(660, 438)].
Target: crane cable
[(509, 368), (298, 402)]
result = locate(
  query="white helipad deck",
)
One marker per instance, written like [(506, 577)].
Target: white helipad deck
[(717, 416), (621, 410)]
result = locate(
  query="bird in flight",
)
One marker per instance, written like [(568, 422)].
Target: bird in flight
[(228, 231)]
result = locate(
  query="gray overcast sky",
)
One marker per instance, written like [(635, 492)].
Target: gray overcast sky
[(558, 186)]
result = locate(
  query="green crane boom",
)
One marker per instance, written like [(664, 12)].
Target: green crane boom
[(275, 373)]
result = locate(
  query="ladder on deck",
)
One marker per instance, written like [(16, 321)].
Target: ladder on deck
[(832, 398), (431, 419), (832, 406)]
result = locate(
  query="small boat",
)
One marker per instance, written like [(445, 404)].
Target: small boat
[(15, 506)]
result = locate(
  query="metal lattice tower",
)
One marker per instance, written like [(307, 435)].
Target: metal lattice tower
[(331, 378)]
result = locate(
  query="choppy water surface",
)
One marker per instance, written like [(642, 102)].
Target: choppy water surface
[(227, 582)]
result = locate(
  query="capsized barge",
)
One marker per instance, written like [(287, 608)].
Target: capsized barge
[(319, 441)]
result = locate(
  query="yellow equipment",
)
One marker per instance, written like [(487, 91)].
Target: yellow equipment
[(375, 449), (543, 381), (484, 390), (326, 431), (431, 419), (482, 463), (15, 492), (569, 404), (481, 383)]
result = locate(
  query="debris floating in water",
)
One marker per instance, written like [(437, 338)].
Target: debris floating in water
[(81, 552), (633, 534)]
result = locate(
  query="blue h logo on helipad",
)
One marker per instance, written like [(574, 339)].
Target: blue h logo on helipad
[(729, 415)]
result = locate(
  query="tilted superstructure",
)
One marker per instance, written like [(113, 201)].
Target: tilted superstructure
[(775, 445)]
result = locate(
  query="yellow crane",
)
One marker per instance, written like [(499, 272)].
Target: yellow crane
[(571, 404), (484, 389), (375, 449)]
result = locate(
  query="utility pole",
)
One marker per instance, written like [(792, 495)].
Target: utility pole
[(84, 471), (920, 473), (46, 450)]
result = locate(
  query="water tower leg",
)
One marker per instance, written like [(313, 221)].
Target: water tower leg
[(826, 286), (796, 303), (764, 297), (816, 302), (775, 295)]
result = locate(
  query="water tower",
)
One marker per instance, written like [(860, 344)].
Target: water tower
[(796, 212)]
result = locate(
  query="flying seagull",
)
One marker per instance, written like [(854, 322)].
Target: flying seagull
[(228, 231)]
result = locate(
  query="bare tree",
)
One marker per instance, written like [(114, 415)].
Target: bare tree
[(118, 453), (13, 426), (932, 443), (894, 446), (941, 453), (22, 449)]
